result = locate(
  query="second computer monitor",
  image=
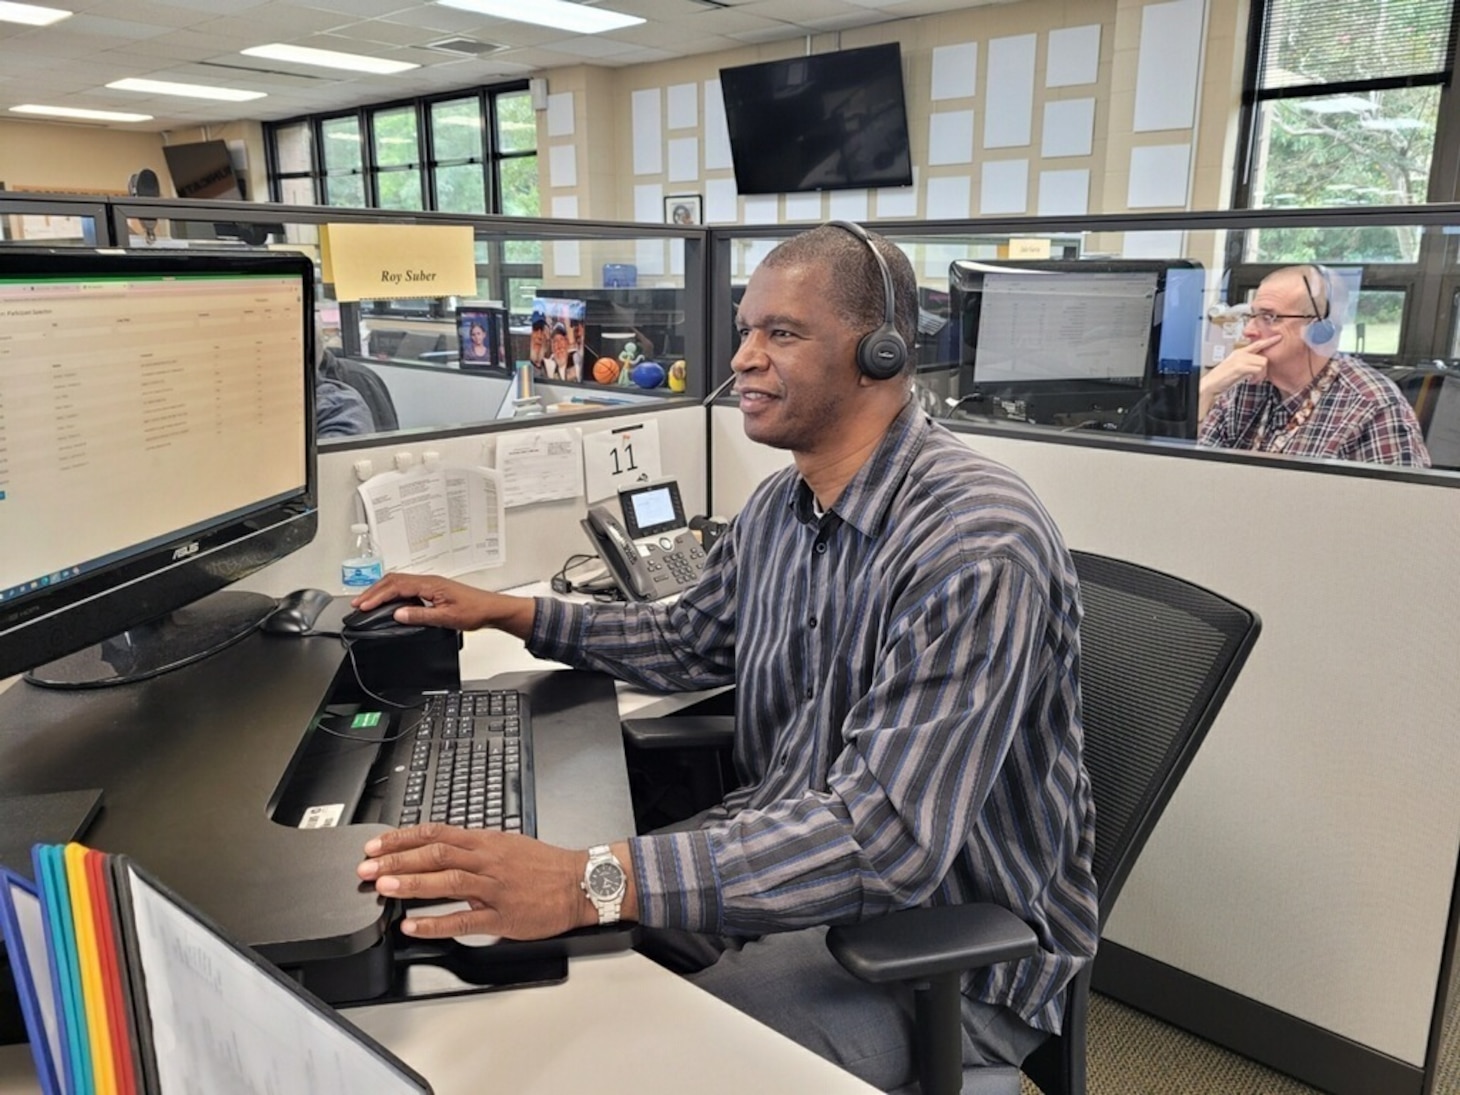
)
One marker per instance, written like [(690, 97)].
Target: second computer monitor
[(1079, 343)]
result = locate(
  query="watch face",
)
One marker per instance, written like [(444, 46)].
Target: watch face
[(606, 881)]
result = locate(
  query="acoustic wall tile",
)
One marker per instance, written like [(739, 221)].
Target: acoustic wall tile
[(955, 71), (721, 204), (898, 202), (803, 207), (648, 131), (1073, 56), (948, 198), (762, 209), (1069, 127), (683, 109), (1004, 187), (1064, 193), (1168, 64), (560, 114), (950, 137), (717, 131), (684, 159), (563, 165), (847, 205), (1009, 92), (1159, 176)]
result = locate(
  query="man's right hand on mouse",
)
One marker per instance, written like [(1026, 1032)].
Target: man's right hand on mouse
[(449, 604)]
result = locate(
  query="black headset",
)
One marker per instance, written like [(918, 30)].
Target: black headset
[(881, 354), (1322, 330)]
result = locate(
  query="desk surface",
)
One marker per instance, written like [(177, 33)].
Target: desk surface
[(618, 1024)]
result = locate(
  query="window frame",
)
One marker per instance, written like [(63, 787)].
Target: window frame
[(491, 159)]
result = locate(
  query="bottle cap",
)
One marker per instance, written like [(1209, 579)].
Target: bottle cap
[(359, 528)]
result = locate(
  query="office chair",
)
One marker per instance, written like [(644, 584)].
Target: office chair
[(1158, 656)]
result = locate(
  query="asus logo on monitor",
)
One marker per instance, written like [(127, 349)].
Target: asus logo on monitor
[(184, 551)]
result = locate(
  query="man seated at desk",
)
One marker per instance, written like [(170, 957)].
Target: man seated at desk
[(1286, 389), (906, 656)]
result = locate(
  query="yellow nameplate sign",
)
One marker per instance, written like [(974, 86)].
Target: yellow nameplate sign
[(386, 261), (1028, 248)]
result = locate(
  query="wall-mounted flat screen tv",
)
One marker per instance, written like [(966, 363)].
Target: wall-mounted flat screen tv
[(831, 121)]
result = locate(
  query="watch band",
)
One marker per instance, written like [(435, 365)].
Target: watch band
[(604, 887)]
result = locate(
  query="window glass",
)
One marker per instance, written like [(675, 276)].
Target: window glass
[(400, 189), (456, 130), (297, 191), (395, 137), (516, 122), (294, 149), (461, 189), (348, 190), (519, 186), (341, 150), (1376, 322)]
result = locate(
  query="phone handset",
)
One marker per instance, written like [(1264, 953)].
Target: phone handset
[(619, 553)]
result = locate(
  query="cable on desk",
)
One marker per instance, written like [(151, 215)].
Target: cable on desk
[(602, 588)]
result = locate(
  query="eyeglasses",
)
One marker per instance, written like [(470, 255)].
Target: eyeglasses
[(1270, 319)]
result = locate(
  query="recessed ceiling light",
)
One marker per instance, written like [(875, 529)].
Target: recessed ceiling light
[(328, 58), (76, 112), (558, 14), (32, 15), (187, 91)]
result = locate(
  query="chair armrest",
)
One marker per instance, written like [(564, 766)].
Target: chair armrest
[(913, 944), (680, 732)]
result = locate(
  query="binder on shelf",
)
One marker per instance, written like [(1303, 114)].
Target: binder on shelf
[(127, 989)]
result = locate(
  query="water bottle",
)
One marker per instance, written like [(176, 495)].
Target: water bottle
[(364, 567)]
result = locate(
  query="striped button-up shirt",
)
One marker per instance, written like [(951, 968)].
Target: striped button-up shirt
[(1361, 416), (907, 710)]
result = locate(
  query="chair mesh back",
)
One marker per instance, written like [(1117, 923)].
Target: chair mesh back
[(1158, 656)]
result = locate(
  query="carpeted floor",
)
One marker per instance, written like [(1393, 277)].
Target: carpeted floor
[(1134, 1054)]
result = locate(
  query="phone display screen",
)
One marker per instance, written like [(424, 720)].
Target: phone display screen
[(652, 509)]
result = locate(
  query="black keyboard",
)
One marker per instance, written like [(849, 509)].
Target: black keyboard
[(469, 763)]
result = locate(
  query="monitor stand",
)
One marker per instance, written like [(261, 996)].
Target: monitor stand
[(180, 638)]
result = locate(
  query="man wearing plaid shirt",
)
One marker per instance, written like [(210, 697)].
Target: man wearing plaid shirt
[(1287, 390)]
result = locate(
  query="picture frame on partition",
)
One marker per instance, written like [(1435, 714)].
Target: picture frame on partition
[(481, 328), (683, 209)]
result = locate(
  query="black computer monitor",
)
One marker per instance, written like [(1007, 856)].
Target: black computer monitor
[(1074, 343), (156, 445)]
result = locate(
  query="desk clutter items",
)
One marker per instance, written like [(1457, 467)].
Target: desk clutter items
[(435, 518), (125, 988)]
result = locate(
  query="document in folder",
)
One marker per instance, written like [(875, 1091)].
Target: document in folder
[(126, 989)]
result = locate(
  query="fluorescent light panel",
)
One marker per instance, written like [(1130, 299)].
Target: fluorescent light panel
[(76, 112), (32, 15), (328, 58), (558, 14), (186, 91)]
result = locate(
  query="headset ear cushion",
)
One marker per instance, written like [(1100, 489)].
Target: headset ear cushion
[(1321, 334), (882, 354)]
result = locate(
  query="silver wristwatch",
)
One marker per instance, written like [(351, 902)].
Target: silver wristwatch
[(605, 883)]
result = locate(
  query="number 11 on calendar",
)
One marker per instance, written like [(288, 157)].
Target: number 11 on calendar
[(618, 458)]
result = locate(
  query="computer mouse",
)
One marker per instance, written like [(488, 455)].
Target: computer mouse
[(380, 620), (297, 612)]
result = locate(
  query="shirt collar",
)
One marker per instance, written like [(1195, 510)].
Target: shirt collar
[(865, 501)]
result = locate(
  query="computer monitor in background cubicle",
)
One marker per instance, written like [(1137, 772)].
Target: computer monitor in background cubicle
[(1090, 343), (160, 440)]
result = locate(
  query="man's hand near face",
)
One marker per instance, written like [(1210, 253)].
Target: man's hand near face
[(1243, 363)]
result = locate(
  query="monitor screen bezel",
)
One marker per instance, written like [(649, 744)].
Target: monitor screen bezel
[(150, 582)]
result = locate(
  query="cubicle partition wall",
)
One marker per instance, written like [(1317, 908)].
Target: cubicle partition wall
[(1296, 902)]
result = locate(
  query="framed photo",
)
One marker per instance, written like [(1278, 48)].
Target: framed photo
[(481, 332), (682, 209)]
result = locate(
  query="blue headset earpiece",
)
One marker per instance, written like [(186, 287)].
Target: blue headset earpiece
[(881, 354), (1322, 331)]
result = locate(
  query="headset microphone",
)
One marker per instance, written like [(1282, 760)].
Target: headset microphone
[(881, 354)]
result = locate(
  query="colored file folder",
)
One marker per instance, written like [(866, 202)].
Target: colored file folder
[(126, 989)]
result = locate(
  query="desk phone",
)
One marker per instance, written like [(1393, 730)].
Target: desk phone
[(653, 553)]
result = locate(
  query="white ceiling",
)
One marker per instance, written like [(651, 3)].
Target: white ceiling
[(198, 42)]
